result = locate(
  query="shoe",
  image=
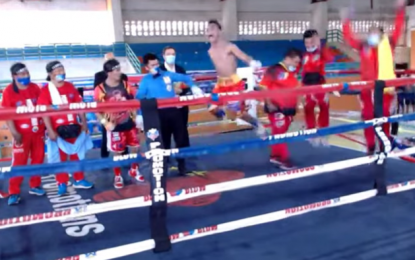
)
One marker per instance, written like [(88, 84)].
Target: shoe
[(83, 184), (220, 114), (14, 199), (324, 141), (284, 165), (136, 175), (287, 166), (37, 191), (62, 189), (118, 182), (275, 160), (315, 142), (3, 195)]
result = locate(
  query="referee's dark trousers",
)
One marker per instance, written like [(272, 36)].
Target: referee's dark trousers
[(172, 123)]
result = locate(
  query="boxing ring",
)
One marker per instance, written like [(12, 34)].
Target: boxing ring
[(375, 171)]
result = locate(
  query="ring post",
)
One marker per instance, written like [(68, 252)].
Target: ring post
[(158, 160), (384, 142)]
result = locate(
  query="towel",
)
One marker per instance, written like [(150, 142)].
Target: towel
[(82, 144), (385, 63), (54, 94)]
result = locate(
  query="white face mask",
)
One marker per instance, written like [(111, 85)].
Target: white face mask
[(312, 49), (170, 59), (292, 68), (373, 39)]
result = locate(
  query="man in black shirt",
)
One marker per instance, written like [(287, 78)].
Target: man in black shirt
[(120, 127), (99, 78), (169, 55)]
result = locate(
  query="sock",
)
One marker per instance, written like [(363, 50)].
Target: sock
[(117, 171), (134, 166)]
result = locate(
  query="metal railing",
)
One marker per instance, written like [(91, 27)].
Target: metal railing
[(132, 57), (334, 36)]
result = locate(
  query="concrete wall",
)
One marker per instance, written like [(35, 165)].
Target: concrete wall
[(75, 68), (63, 21)]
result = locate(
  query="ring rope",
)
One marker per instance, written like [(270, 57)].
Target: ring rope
[(149, 244), (41, 110), (121, 160), (188, 193)]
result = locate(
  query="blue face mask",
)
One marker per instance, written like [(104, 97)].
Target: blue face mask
[(60, 77), (170, 59), (155, 70), (24, 81), (292, 68), (373, 39)]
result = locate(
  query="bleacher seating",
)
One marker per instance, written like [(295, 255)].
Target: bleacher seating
[(59, 51)]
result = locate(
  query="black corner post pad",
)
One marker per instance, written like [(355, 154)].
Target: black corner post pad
[(158, 161), (384, 142)]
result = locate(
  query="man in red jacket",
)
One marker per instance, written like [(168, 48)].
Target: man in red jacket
[(28, 134), (66, 126), (281, 109), (314, 62), (369, 65)]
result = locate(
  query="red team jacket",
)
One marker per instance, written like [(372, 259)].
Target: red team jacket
[(368, 54), (13, 97), (315, 62), (69, 94), (278, 77)]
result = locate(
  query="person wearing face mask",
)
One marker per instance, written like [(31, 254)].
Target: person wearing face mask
[(28, 134), (169, 55), (161, 84), (376, 63), (121, 128), (281, 109), (99, 78), (313, 73), (67, 132)]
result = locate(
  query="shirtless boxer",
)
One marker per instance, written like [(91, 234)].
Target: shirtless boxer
[(224, 56)]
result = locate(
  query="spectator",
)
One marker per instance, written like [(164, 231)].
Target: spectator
[(159, 84), (27, 133), (100, 78), (169, 55)]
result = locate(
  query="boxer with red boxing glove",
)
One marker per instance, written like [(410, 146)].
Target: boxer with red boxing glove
[(282, 109), (314, 62), (121, 126), (28, 134)]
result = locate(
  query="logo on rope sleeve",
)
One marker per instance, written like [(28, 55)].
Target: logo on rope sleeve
[(30, 109), (83, 105), (292, 172), (309, 207), (34, 217), (292, 134), (194, 232)]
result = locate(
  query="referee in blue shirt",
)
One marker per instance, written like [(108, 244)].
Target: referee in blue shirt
[(160, 84)]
